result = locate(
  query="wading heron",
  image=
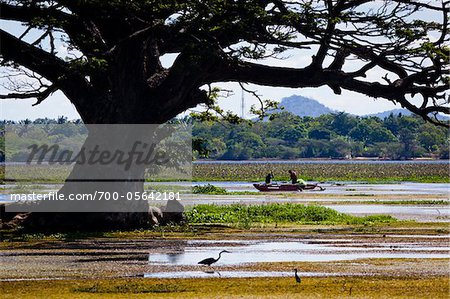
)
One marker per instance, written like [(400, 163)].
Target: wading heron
[(212, 260), (297, 278)]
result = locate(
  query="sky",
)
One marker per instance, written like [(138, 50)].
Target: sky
[(350, 102)]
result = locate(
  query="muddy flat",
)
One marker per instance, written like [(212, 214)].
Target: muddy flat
[(149, 255), (396, 260)]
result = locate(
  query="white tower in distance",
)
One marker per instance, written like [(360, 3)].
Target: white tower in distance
[(242, 104)]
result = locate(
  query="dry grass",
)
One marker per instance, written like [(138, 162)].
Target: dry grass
[(339, 287)]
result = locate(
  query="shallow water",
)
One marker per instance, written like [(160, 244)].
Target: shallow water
[(152, 258), (347, 192), (391, 209), (398, 211), (313, 250), (351, 188), (347, 188)]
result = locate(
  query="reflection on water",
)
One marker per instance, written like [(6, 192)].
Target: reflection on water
[(266, 251), (399, 211), (390, 209), (173, 258)]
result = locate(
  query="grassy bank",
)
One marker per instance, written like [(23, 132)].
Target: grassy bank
[(246, 215), (429, 173), (338, 287), (232, 216)]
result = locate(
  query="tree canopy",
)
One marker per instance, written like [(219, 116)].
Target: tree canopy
[(283, 136), (112, 71), (287, 136)]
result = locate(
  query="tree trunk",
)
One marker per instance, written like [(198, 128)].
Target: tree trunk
[(133, 89), (115, 185)]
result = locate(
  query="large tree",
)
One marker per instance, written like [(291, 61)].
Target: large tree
[(116, 76), (391, 49)]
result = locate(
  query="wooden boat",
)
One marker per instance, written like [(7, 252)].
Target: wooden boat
[(276, 187), (284, 187)]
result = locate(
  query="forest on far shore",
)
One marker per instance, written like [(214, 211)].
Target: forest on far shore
[(337, 135), (287, 136)]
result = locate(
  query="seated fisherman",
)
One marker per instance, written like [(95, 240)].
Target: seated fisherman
[(301, 183)]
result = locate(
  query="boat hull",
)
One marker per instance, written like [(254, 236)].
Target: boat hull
[(276, 187)]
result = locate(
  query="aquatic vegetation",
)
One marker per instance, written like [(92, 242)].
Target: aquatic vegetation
[(415, 172), (245, 215), (382, 172), (208, 189)]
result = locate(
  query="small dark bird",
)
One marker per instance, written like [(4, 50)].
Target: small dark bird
[(212, 260), (297, 278)]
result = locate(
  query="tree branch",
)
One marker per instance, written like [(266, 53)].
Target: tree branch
[(51, 16), (55, 70), (35, 59), (312, 77), (27, 14), (39, 95)]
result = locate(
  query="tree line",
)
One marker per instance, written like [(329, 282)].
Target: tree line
[(339, 136), (287, 136)]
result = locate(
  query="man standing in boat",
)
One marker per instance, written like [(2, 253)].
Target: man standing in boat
[(269, 178)]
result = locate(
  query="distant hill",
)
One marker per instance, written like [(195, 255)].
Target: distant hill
[(303, 106), (395, 112)]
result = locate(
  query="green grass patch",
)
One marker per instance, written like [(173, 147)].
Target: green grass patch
[(245, 215), (208, 189), (214, 190)]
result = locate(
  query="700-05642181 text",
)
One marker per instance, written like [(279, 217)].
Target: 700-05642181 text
[(97, 195)]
